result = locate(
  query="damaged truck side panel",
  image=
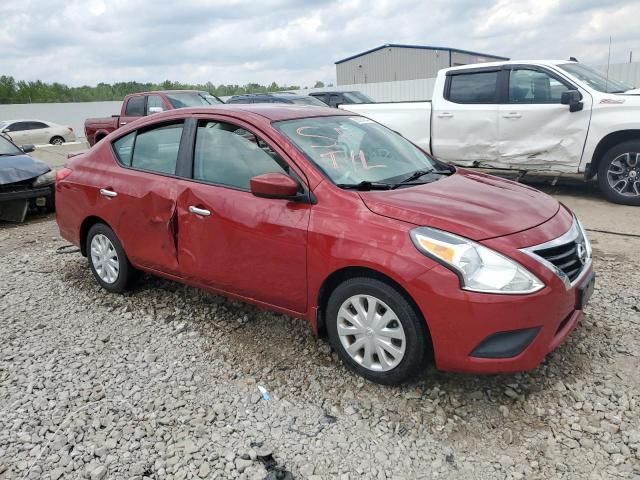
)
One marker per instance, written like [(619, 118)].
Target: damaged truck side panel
[(546, 116)]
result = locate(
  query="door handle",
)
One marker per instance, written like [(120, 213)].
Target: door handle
[(105, 192), (445, 115), (199, 211), (512, 115)]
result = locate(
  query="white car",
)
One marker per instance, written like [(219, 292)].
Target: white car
[(36, 132), (531, 116)]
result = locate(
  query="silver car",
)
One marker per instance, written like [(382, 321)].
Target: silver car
[(36, 132)]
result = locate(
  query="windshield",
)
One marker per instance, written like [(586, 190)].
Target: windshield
[(192, 99), (596, 80), (351, 150), (357, 97), (308, 101), (8, 148)]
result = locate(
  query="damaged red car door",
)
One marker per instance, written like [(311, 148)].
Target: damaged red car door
[(140, 200), (232, 240)]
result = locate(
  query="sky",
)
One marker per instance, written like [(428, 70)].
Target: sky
[(293, 42)]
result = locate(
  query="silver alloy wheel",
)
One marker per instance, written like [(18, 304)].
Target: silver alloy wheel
[(104, 258), (623, 174), (371, 333)]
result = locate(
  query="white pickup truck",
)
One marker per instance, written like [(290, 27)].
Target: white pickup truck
[(553, 116)]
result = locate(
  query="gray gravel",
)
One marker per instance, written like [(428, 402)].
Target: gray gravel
[(163, 383)]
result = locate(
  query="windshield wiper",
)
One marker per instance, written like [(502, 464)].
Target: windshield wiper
[(365, 185), (414, 176)]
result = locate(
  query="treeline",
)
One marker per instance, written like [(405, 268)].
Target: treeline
[(12, 91)]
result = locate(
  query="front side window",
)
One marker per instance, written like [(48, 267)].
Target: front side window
[(531, 86), (18, 126), (479, 87), (226, 154), (157, 149), (155, 104), (135, 107), (307, 101), (351, 150), (357, 97)]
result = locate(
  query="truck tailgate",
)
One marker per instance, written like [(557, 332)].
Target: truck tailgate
[(411, 119)]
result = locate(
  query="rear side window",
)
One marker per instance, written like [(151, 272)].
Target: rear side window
[(477, 87), (157, 150), (135, 107), (226, 154), (124, 148), (37, 125)]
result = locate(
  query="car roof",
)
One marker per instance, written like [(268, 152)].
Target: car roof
[(271, 111), (14, 120)]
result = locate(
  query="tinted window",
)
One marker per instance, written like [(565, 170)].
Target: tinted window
[(473, 88), (228, 155), (320, 96), (334, 100), (135, 107), (19, 126), (155, 102), (191, 99), (37, 125), (124, 147), (530, 86), (157, 149)]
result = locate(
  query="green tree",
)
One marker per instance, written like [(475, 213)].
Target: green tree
[(319, 84)]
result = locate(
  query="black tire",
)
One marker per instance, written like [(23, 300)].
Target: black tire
[(125, 271), (631, 147), (57, 140), (416, 335)]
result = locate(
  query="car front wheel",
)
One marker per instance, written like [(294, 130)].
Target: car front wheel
[(619, 173), (107, 259), (376, 331)]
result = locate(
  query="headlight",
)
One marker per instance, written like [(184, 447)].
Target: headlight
[(480, 269), (45, 179), (587, 243)]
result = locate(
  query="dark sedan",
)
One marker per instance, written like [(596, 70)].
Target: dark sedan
[(25, 183)]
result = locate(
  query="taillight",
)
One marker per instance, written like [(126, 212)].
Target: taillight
[(62, 174), (70, 129)]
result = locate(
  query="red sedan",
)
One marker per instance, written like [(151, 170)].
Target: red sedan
[(321, 214)]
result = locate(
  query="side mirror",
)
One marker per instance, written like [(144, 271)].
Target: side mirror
[(573, 98), (274, 185), (28, 148), (155, 110), (6, 130)]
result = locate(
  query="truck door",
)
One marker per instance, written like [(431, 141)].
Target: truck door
[(535, 130), (465, 117), (133, 110)]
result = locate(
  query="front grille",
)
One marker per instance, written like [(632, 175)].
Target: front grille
[(567, 255), (565, 258), (16, 186)]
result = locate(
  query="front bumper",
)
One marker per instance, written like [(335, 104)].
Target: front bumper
[(14, 205), (500, 333)]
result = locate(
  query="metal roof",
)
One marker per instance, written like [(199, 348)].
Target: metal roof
[(422, 47)]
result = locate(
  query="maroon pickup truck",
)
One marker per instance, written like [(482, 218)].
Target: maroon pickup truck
[(139, 105)]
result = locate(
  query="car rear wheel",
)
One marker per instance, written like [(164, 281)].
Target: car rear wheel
[(619, 173), (56, 141), (376, 332), (107, 259)]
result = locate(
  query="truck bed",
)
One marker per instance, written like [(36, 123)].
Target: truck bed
[(411, 119)]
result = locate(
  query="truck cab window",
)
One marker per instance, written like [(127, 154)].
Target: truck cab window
[(135, 107), (478, 87)]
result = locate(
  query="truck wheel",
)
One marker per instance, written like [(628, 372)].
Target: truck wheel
[(619, 173), (376, 332)]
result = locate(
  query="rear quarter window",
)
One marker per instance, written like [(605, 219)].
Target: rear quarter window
[(123, 147), (479, 87)]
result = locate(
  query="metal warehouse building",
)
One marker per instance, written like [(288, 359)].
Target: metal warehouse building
[(391, 62)]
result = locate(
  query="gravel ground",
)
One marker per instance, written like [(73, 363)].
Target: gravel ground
[(163, 383)]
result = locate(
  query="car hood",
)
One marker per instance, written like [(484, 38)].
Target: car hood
[(17, 168), (473, 205)]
